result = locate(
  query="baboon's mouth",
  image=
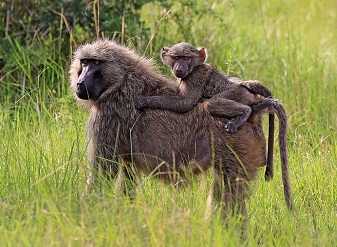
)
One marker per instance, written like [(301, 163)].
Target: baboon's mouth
[(82, 94), (181, 75)]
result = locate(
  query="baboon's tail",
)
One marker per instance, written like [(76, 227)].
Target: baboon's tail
[(282, 116), (269, 174), (275, 106)]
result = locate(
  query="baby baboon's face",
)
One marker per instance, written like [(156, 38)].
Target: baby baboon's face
[(183, 58)]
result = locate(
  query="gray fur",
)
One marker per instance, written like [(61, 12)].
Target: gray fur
[(163, 143)]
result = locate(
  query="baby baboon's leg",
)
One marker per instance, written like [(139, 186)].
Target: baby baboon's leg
[(257, 88), (234, 123), (238, 113)]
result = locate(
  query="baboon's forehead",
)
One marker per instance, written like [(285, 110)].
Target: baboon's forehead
[(110, 51), (94, 52), (183, 49), (104, 50)]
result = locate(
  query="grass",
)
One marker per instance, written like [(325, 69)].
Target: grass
[(43, 157)]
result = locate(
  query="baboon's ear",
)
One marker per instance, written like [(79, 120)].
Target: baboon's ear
[(164, 58), (165, 50), (203, 54)]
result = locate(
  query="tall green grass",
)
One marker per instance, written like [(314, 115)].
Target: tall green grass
[(288, 45)]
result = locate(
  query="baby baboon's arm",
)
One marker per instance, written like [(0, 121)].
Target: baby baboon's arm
[(179, 103)]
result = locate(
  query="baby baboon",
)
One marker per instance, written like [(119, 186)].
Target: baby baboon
[(107, 78), (230, 97)]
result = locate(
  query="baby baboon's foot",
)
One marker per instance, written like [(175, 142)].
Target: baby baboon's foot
[(231, 127)]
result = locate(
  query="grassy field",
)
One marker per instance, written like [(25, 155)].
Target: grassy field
[(288, 45)]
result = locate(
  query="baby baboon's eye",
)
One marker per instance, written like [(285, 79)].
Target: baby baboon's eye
[(85, 61), (186, 58), (96, 62)]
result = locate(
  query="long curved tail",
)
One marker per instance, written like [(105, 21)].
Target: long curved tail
[(275, 106)]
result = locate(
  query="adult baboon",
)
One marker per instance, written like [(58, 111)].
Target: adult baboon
[(230, 97), (107, 78)]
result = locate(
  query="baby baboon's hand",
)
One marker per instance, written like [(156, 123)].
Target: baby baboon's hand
[(140, 102)]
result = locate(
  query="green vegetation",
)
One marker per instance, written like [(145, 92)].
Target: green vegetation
[(288, 45)]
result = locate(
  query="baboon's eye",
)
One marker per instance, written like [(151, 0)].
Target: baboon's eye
[(96, 62), (186, 58), (85, 61)]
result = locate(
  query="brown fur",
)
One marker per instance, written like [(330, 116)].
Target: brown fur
[(160, 143), (230, 96)]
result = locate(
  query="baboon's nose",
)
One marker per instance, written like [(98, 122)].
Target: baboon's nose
[(80, 85)]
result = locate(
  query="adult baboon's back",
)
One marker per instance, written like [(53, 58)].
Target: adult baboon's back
[(107, 78)]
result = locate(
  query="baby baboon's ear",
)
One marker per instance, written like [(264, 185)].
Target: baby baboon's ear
[(164, 50), (165, 56), (203, 54)]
